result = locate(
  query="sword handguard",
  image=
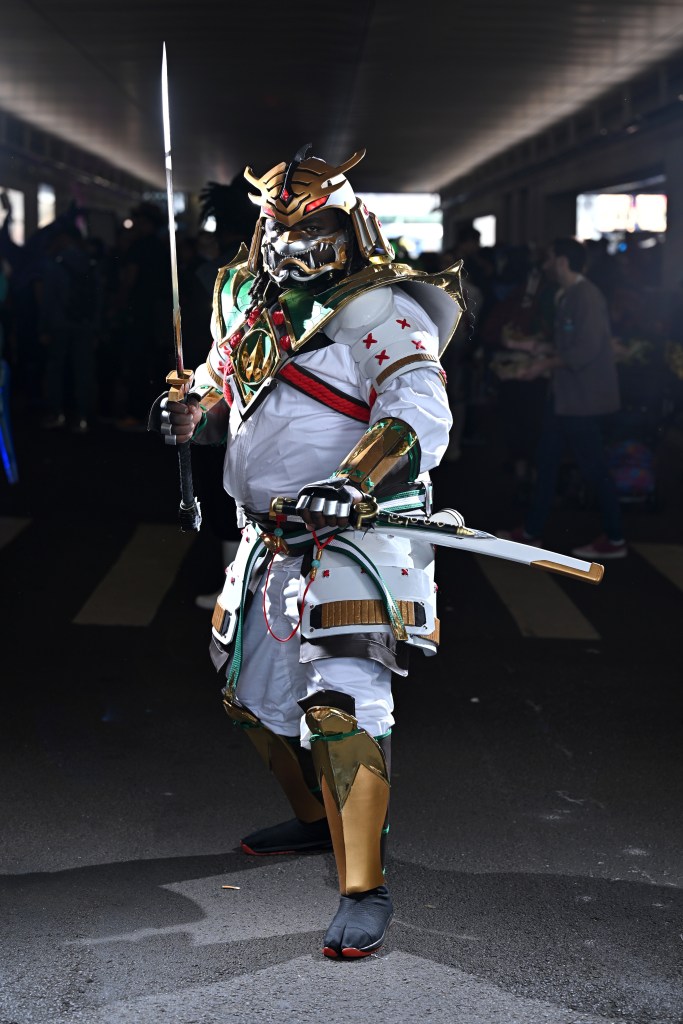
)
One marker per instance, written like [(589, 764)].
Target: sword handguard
[(361, 515), (179, 384)]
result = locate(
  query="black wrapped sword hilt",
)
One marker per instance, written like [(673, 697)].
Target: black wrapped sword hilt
[(190, 513)]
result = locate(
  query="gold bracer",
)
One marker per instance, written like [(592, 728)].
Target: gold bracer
[(390, 447), (355, 785), (280, 757)]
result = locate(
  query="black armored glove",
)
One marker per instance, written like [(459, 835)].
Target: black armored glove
[(327, 502), (176, 421)]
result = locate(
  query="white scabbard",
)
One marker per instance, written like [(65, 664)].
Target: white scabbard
[(462, 538), (445, 529)]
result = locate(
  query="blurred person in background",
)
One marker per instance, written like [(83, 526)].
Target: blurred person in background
[(519, 324), (584, 388), (143, 308), (70, 320)]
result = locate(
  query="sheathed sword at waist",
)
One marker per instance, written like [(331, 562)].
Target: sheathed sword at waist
[(443, 529)]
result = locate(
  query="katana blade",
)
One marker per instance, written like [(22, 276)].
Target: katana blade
[(179, 380), (166, 118)]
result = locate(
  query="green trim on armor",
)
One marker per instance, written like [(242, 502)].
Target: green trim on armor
[(201, 425), (385, 831), (383, 735), (414, 461), (330, 301), (336, 736), (389, 446), (299, 307), (399, 495), (236, 663)]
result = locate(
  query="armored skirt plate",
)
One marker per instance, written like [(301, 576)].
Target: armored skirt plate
[(256, 358)]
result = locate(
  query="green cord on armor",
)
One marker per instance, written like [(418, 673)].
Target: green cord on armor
[(334, 737)]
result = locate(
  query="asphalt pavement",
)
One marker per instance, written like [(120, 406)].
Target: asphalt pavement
[(536, 843)]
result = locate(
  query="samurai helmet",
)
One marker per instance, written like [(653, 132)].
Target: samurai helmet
[(312, 223)]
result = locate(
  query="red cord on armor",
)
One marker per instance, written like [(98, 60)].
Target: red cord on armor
[(281, 639)]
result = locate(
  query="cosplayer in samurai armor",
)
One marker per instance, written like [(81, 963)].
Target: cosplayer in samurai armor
[(324, 383)]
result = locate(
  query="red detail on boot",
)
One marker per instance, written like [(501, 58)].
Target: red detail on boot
[(253, 853), (285, 342), (278, 318)]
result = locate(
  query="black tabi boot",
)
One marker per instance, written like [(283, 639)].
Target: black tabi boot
[(354, 778), (292, 766), (289, 837)]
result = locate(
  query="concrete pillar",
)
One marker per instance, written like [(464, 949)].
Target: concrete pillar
[(30, 206)]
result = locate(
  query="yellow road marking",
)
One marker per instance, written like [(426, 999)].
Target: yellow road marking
[(666, 558), (134, 587), (536, 601)]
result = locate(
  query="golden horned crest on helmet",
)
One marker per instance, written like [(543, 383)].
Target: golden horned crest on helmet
[(291, 192)]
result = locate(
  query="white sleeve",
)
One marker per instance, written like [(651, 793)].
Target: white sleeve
[(388, 334), (395, 346), (419, 399)]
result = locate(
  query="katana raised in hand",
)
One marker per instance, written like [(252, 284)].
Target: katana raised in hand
[(445, 529), (180, 379)]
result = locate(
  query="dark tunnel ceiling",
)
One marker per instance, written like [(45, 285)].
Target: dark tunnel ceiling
[(430, 89)]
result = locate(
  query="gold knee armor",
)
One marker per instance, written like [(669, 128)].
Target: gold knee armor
[(355, 785), (280, 757)]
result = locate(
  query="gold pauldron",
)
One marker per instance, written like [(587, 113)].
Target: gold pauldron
[(380, 451)]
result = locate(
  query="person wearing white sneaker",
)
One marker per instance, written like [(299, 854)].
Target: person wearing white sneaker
[(601, 548), (583, 389)]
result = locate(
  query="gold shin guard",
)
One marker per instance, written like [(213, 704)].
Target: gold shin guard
[(355, 784), (284, 759)]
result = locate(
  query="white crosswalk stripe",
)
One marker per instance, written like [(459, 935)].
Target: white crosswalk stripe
[(666, 558), (538, 604), (133, 589)]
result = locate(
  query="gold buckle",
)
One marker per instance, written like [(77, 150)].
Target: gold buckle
[(278, 545)]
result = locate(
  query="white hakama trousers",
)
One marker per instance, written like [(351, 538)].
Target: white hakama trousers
[(272, 680)]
